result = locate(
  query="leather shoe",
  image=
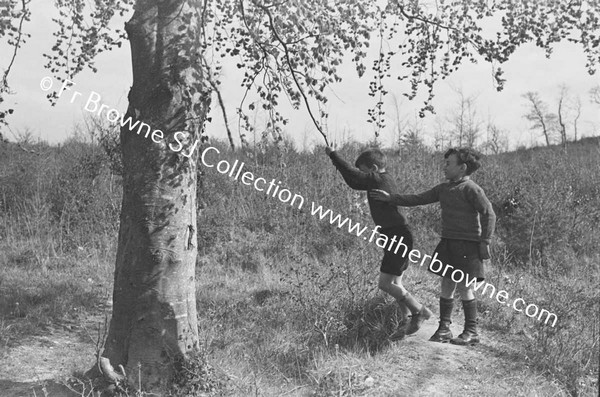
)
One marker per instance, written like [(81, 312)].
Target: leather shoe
[(441, 335), (466, 338)]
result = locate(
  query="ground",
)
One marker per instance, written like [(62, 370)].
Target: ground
[(414, 366), (422, 368), (46, 361)]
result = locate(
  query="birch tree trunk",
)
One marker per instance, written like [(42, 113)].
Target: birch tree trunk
[(154, 303)]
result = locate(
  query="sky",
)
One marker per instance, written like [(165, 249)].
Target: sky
[(527, 70)]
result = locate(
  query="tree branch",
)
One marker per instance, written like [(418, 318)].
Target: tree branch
[(222, 106), (17, 44), (289, 63), (438, 24)]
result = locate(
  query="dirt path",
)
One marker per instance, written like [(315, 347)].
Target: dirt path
[(40, 365), (417, 367), (411, 367), (39, 360)]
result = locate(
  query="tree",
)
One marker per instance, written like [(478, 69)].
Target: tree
[(154, 317), (497, 141), (561, 115), (408, 134), (465, 125), (411, 138), (577, 109), (539, 116), (568, 107), (291, 49), (441, 138), (399, 120)]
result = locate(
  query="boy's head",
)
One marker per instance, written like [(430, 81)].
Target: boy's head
[(371, 160), (461, 162)]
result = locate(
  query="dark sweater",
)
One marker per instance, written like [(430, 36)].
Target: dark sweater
[(384, 214), (467, 213)]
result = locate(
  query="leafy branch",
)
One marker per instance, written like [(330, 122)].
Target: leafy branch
[(293, 72)]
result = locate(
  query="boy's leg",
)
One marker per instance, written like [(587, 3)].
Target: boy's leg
[(466, 293), (443, 333), (406, 313), (447, 288), (392, 267), (392, 285), (469, 335)]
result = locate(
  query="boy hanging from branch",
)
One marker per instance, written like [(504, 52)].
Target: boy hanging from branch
[(370, 174)]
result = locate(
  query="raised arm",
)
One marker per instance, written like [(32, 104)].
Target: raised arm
[(354, 177)]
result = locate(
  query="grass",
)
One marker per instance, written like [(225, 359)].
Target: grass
[(283, 298), (38, 292)]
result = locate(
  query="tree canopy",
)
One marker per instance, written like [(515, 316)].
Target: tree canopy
[(293, 49)]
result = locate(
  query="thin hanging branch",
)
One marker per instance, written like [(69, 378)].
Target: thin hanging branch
[(216, 89), (293, 72), (17, 45)]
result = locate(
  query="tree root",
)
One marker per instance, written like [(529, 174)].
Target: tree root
[(105, 379), (109, 373)]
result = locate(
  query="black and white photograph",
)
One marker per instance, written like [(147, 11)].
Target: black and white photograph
[(299, 198)]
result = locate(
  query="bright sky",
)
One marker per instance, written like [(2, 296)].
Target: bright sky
[(528, 70)]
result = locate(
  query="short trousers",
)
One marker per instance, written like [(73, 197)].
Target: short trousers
[(395, 254), (462, 255)]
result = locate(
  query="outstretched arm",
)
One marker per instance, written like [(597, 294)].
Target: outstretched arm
[(354, 177), (407, 200)]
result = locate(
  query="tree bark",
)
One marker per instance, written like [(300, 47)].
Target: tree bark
[(154, 299)]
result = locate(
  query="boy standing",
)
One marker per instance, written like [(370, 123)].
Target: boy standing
[(370, 174), (468, 222)]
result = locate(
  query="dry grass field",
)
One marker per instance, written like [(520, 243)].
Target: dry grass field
[(288, 303)]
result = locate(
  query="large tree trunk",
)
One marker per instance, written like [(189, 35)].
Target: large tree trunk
[(154, 303)]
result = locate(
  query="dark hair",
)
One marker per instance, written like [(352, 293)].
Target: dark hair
[(467, 156), (371, 157)]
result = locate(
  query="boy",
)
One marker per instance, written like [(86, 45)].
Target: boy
[(468, 222), (371, 174)]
